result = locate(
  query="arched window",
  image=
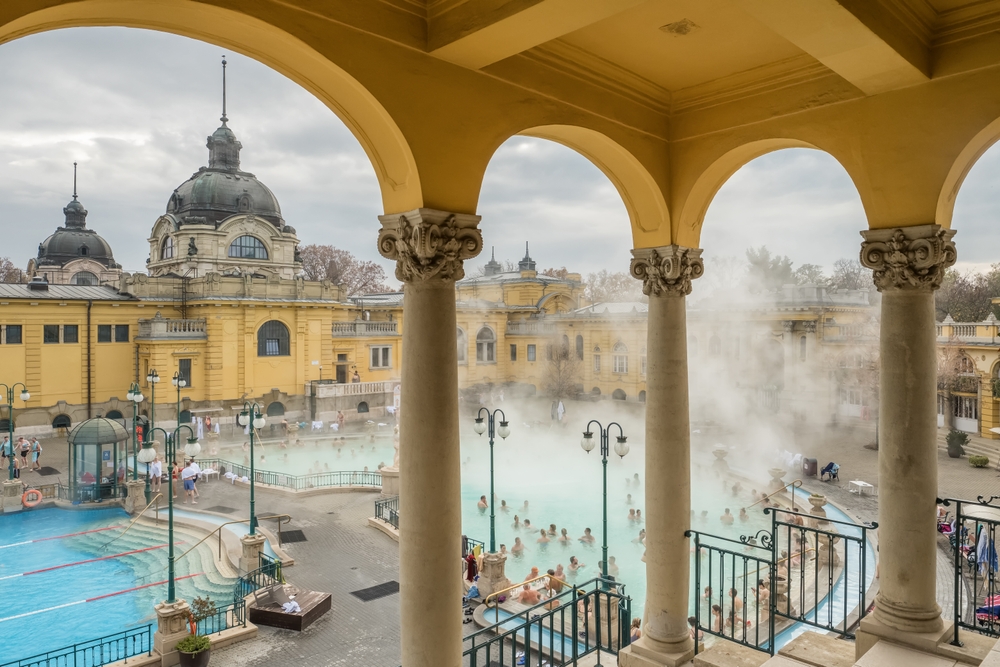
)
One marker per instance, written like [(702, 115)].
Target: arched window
[(84, 251), (185, 417), (596, 391), (564, 351), (463, 346), (362, 407), (83, 278), (965, 366), (802, 348), (642, 396), (597, 361), (642, 362), (167, 248), (115, 414), (62, 421), (618, 395), (275, 409), (248, 247), (486, 346), (272, 340), (579, 347), (714, 346), (619, 358)]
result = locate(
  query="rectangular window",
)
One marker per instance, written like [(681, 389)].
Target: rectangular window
[(13, 334), (513, 352), (184, 370), (531, 353), (50, 333), (597, 364), (381, 356), (71, 333), (121, 333), (103, 333), (619, 363)]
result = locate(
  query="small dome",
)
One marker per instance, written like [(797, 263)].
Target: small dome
[(74, 241)]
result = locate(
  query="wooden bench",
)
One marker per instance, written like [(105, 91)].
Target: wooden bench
[(269, 612)]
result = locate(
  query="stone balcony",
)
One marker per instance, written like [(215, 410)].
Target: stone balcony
[(162, 328), (364, 328), (532, 328)]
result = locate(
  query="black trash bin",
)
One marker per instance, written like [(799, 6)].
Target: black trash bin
[(809, 467)]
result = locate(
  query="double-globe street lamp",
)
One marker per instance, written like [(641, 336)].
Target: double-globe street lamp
[(251, 416), (10, 418), (191, 450), (482, 424), (621, 449), (179, 382), (135, 395), (147, 454)]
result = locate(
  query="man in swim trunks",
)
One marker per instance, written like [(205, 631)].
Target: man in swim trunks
[(529, 595), (482, 504), (188, 476), (36, 451)]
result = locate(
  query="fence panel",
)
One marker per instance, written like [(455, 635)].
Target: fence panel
[(96, 652), (973, 531)]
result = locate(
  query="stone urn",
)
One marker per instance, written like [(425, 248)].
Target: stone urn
[(776, 474), (817, 501), (720, 454)]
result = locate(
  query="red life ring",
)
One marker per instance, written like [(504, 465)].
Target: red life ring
[(28, 501)]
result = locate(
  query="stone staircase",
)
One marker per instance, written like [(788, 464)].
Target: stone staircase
[(978, 445)]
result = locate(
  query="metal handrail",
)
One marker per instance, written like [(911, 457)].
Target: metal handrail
[(132, 523), (790, 484), (526, 581)]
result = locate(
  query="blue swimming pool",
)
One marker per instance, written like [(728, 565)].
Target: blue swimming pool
[(63, 580)]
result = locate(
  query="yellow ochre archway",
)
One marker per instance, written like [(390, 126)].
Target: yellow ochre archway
[(364, 116), (642, 196), (707, 184), (960, 168)]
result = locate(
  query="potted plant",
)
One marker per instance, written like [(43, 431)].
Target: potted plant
[(956, 442), (195, 650)]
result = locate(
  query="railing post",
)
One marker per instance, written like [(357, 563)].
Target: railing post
[(957, 575)]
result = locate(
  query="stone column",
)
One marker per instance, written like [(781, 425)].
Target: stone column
[(908, 265), (171, 627), (135, 501), (12, 490), (429, 247), (253, 545), (666, 273)]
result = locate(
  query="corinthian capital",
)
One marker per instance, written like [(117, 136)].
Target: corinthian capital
[(667, 270), (908, 257), (429, 244)]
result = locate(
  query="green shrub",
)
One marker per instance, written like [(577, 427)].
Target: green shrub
[(979, 461), (194, 644), (956, 442)]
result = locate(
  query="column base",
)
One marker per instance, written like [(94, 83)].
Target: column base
[(171, 627), (253, 545), (643, 653), (872, 630), (11, 499), (390, 482), (492, 577), (135, 501)]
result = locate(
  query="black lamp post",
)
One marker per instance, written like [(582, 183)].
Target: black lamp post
[(251, 416), (179, 382), (621, 449), (135, 395), (10, 418), (482, 424), (191, 449)]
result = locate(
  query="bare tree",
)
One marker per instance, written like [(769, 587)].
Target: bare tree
[(563, 377), (340, 267), (951, 378), (561, 273), (849, 274), (607, 286), (809, 274), (10, 273)]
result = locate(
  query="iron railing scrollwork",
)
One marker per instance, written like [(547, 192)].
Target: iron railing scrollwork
[(96, 652)]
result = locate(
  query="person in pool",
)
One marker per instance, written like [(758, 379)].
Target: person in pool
[(631, 515), (503, 549), (552, 529), (587, 537), (726, 518), (559, 573), (638, 516), (482, 504), (743, 514), (544, 538), (532, 575), (628, 499), (518, 547), (525, 508), (575, 565), (517, 523), (564, 537), (527, 525), (504, 507), (642, 537)]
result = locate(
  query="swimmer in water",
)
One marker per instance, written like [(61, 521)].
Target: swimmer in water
[(638, 516), (726, 518), (612, 567), (559, 572), (564, 537), (642, 537), (503, 549), (482, 504), (544, 539), (552, 529), (631, 515), (704, 516), (532, 575), (518, 547), (262, 459), (743, 514), (628, 499), (575, 565), (587, 537), (527, 525), (504, 507), (517, 523), (525, 508)]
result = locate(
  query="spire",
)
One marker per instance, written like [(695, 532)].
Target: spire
[(224, 119), (493, 266), (76, 214), (74, 181), (526, 264)]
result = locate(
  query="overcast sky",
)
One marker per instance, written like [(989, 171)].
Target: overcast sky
[(134, 108)]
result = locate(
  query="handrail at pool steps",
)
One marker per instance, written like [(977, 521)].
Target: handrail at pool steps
[(387, 510), (320, 480), (131, 523), (797, 484), (558, 630), (497, 594), (95, 652)]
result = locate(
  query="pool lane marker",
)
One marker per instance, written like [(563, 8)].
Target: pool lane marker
[(99, 597), (57, 537), (84, 562)]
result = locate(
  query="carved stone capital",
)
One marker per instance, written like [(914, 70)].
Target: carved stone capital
[(667, 270), (788, 325), (429, 244), (910, 258), (809, 326)]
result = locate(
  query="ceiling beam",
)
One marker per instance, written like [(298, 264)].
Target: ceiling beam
[(858, 39), (477, 33)]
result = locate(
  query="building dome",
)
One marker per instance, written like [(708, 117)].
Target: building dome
[(74, 241), (221, 190)]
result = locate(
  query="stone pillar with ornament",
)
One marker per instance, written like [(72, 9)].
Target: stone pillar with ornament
[(252, 545), (390, 474), (11, 501), (429, 248), (492, 577), (908, 265), (666, 274), (135, 501), (171, 627)]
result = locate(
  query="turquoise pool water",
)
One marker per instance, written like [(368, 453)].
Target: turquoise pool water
[(57, 570)]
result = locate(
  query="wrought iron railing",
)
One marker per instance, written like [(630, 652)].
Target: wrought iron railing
[(96, 652), (267, 574), (595, 616), (387, 509), (977, 586), (300, 482), (469, 546), (225, 617), (805, 569)]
